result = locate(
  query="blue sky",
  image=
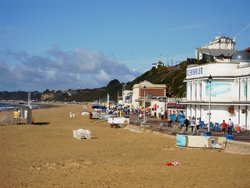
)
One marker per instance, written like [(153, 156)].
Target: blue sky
[(62, 44)]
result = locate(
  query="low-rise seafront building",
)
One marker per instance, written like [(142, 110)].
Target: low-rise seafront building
[(146, 91), (127, 98), (145, 95), (225, 95), (151, 97)]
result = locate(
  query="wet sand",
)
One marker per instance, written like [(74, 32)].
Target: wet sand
[(47, 155)]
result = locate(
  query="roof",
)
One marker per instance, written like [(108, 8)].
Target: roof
[(147, 84), (218, 38), (216, 52), (242, 56)]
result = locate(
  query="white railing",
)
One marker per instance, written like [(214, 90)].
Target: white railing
[(227, 99)]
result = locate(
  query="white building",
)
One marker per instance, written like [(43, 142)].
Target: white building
[(230, 90), (127, 98), (221, 42), (220, 49), (156, 65)]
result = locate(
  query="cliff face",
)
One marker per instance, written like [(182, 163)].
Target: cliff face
[(47, 97)]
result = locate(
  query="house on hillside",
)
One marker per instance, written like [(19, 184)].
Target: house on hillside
[(220, 49), (156, 65)]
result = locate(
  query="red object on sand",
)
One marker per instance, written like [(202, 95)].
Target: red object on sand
[(169, 164), (175, 163)]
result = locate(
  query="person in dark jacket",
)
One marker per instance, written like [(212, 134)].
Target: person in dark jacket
[(186, 123)]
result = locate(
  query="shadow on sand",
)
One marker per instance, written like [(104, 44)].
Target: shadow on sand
[(40, 123)]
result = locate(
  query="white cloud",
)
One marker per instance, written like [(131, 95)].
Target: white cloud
[(103, 76), (58, 69)]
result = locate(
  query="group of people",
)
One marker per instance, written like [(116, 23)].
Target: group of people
[(227, 126), (195, 124)]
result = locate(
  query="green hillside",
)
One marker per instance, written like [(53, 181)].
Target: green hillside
[(171, 76)]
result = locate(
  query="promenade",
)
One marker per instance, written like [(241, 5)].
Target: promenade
[(159, 125)]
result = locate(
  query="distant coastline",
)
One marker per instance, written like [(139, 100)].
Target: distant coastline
[(6, 106), (11, 105)]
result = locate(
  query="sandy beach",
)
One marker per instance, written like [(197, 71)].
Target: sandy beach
[(47, 155)]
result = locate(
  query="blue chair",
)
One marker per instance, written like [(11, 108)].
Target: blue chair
[(217, 127), (202, 125)]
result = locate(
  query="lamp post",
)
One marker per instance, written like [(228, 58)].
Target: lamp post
[(209, 80), (123, 94), (144, 113)]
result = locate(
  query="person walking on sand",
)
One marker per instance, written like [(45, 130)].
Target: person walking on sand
[(186, 123), (139, 118), (192, 123), (230, 126), (162, 114), (16, 115), (197, 124), (181, 122), (223, 127)]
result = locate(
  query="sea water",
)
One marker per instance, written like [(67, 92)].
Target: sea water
[(11, 106), (6, 106)]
